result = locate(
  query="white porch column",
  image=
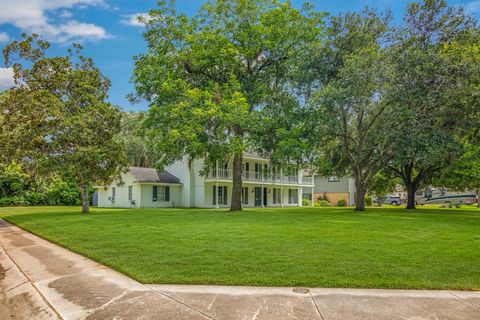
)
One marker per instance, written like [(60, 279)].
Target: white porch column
[(216, 195), (262, 193), (300, 196), (313, 197), (281, 196)]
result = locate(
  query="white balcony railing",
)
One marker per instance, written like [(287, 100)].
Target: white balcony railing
[(227, 174), (307, 180)]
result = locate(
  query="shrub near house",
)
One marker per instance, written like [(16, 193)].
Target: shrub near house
[(17, 188)]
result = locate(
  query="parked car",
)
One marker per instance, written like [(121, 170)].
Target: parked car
[(394, 201), (391, 200)]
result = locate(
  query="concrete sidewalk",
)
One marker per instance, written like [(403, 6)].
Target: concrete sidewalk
[(40, 280)]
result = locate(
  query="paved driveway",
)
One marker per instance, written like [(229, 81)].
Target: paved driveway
[(40, 280)]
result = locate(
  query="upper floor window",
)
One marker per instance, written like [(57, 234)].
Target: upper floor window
[(333, 179)]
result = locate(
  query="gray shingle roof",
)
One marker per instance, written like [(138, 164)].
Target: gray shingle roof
[(152, 175)]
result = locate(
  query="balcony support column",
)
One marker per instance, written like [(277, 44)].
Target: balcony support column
[(263, 195), (281, 196), (313, 197), (216, 195), (300, 197)]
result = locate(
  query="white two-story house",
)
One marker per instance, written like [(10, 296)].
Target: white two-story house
[(181, 186)]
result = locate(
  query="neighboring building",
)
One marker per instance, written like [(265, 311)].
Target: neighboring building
[(178, 186), (335, 188)]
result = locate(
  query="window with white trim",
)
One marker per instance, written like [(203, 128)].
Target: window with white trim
[(277, 196), (293, 196), (160, 193), (245, 195)]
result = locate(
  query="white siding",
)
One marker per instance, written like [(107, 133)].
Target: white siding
[(121, 194), (198, 185), (142, 195), (147, 196), (181, 171)]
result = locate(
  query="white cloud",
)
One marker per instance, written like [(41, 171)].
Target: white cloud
[(6, 78), (78, 30), (473, 7), (35, 16), (4, 37), (132, 19)]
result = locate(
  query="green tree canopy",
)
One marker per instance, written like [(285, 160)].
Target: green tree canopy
[(464, 172), (133, 137), (345, 85), (432, 88), (56, 119)]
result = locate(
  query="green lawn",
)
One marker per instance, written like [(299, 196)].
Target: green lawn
[(316, 247)]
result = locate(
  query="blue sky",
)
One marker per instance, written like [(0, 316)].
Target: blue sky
[(111, 36)]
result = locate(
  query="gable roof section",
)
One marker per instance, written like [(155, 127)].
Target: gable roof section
[(151, 175)]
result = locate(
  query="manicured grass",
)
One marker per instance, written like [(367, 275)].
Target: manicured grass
[(316, 247)]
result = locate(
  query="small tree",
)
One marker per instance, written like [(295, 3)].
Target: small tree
[(464, 173), (382, 184), (58, 117)]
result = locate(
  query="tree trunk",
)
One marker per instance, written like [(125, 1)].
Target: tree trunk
[(360, 193), (85, 202), (478, 198), (411, 191), (236, 204)]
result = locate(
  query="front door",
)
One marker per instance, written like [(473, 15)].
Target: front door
[(258, 196), (265, 194)]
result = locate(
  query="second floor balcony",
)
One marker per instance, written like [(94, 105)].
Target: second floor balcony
[(261, 177)]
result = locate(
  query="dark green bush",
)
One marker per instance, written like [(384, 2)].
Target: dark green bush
[(368, 200), (19, 189), (342, 203), (323, 203)]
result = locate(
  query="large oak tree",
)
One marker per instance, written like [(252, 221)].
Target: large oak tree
[(434, 88), (207, 78)]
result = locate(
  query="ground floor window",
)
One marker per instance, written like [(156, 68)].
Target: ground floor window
[(220, 195), (277, 196), (307, 196), (161, 193), (245, 195), (293, 196), (130, 193)]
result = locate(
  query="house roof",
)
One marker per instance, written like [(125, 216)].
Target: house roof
[(151, 175)]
